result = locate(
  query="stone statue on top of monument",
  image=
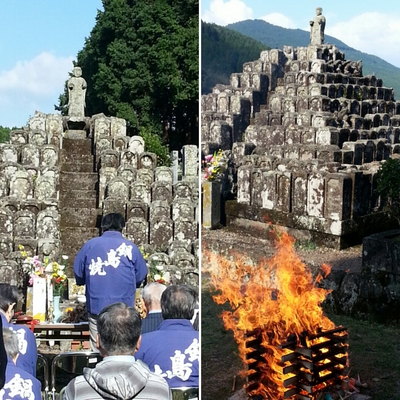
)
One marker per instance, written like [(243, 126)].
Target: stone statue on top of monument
[(317, 28), (76, 94)]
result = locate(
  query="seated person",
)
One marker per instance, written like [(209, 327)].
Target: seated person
[(172, 351), (26, 339), (152, 300), (20, 385), (119, 375)]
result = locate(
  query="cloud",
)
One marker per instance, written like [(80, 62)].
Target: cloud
[(373, 33), (279, 20), (32, 85), (227, 12)]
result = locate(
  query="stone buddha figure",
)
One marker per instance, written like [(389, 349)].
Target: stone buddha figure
[(317, 28), (76, 94)]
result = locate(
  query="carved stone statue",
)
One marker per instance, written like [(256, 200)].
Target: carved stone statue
[(317, 28), (76, 94)]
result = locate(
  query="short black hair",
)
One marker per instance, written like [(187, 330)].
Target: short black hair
[(113, 222), (8, 295), (178, 302), (119, 328)]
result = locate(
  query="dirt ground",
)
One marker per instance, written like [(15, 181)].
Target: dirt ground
[(225, 240)]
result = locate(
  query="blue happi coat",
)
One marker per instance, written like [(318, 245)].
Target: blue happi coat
[(20, 385), (26, 345), (111, 267), (173, 352)]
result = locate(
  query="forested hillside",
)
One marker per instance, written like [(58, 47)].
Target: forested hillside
[(223, 51)]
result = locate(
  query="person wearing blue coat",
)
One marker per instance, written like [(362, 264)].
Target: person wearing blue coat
[(173, 351), (111, 267), (26, 339), (19, 384)]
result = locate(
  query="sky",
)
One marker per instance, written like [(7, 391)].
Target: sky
[(39, 41), (41, 38), (369, 26)]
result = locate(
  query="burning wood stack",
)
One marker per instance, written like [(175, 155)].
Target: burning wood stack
[(290, 349), (308, 370)]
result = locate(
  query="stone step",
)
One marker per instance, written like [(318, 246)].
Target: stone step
[(79, 203), (80, 217), (77, 146), (77, 194), (77, 167), (74, 238), (81, 180), (69, 157), (76, 134)]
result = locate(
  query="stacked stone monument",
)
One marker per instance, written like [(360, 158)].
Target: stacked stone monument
[(59, 175), (308, 133)]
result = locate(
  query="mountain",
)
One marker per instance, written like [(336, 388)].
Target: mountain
[(224, 51), (276, 37)]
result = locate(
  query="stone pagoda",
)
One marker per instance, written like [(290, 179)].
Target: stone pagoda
[(307, 133)]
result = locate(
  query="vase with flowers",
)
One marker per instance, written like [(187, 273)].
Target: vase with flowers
[(58, 282), (50, 272), (214, 167)]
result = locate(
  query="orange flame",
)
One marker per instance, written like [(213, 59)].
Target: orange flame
[(280, 295)]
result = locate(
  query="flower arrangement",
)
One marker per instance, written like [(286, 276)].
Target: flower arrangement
[(58, 277), (157, 274), (156, 271), (214, 165), (34, 267), (144, 253)]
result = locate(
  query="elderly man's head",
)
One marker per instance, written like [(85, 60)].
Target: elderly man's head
[(10, 339), (152, 296), (118, 328), (178, 302)]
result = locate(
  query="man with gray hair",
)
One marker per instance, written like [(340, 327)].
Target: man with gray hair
[(19, 385), (152, 300), (119, 375)]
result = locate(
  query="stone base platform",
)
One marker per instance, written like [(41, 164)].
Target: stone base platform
[(330, 233)]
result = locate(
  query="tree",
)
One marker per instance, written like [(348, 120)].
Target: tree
[(5, 133), (141, 64), (388, 186)]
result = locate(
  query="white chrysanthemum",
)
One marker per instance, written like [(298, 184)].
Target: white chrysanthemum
[(49, 267), (160, 267), (167, 277)]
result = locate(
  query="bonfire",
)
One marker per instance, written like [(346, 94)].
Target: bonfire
[(278, 302)]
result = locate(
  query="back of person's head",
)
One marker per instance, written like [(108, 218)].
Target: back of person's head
[(119, 328), (178, 302), (112, 222), (10, 339), (152, 295), (8, 295)]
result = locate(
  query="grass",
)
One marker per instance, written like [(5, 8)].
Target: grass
[(374, 353), (308, 245)]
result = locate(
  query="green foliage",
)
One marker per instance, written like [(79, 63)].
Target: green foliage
[(141, 63), (4, 134), (153, 144), (388, 186), (223, 52), (277, 37)]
